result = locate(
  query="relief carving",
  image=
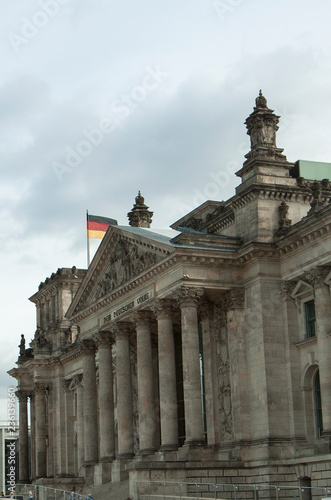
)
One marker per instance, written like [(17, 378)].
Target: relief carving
[(223, 372), (126, 262)]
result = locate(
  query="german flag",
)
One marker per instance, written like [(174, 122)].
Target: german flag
[(97, 226)]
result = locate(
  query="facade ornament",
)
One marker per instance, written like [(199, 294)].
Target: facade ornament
[(262, 126), (140, 216), (235, 299), (318, 275), (77, 379), (22, 346), (163, 308), (317, 202), (104, 338), (126, 261), (188, 295), (39, 388), (87, 347), (194, 224), (284, 221), (22, 395), (40, 339), (286, 289), (142, 318), (122, 329)]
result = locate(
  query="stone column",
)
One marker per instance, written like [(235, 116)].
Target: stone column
[(106, 398), (40, 422), (90, 403), (23, 473), (145, 383), (167, 375), (80, 423), (323, 326), (124, 392), (188, 298)]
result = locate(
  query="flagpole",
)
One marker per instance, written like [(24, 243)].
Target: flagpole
[(88, 242)]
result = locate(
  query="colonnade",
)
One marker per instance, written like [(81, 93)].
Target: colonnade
[(95, 411)]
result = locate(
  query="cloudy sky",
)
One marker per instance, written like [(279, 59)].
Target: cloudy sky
[(100, 99)]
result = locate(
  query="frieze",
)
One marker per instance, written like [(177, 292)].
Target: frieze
[(127, 307)]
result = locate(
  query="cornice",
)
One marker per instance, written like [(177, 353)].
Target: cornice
[(306, 231)]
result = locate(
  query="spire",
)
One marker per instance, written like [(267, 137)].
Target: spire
[(261, 101), (140, 216)]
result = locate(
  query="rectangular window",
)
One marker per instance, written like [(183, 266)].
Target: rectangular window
[(310, 318)]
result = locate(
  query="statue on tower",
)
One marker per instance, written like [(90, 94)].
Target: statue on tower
[(22, 346)]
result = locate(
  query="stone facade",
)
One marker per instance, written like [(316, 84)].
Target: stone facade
[(199, 356)]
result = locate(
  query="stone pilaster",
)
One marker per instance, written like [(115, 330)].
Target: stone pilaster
[(80, 423), (23, 473), (188, 298), (40, 437), (290, 308), (210, 373), (124, 391), (236, 328), (106, 399), (145, 383), (32, 435), (167, 375), (90, 403), (323, 329)]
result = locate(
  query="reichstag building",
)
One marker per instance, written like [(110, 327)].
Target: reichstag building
[(198, 354)]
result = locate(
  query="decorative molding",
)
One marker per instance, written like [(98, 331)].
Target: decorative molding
[(235, 299)]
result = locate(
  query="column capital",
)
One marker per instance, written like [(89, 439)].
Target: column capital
[(188, 295), (87, 347), (39, 388), (22, 395), (318, 275), (104, 339), (142, 319), (163, 308), (235, 299), (122, 329)]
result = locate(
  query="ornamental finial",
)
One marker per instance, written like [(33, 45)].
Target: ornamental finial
[(261, 101)]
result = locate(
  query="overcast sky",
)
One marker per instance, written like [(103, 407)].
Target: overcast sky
[(99, 99)]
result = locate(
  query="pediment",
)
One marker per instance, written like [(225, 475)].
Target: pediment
[(120, 258), (125, 262), (301, 288)]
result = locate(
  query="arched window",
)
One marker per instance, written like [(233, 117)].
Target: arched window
[(318, 405)]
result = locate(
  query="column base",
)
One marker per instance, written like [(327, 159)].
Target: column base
[(168, 447), (102, 473), (107, 459), (194, 443), (147, 451), (124, 456), (118, 471), (88, 468)]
